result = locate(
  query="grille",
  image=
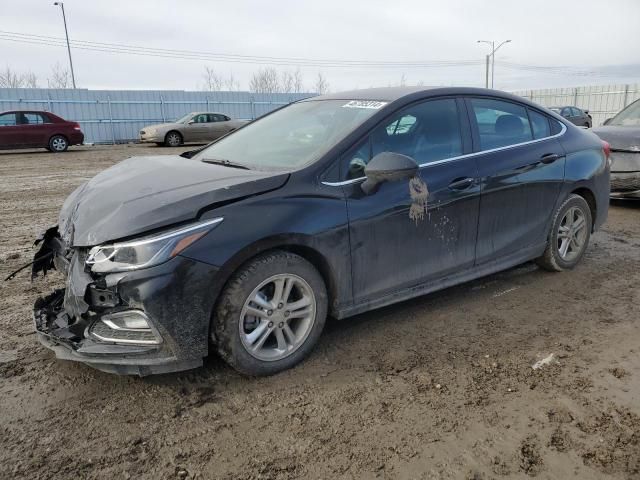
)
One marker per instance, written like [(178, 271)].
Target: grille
[(103, 332), (625, 183)]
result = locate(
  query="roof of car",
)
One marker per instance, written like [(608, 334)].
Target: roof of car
[(390, 94)]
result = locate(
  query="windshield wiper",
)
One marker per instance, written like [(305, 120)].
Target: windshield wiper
[(226, 163)]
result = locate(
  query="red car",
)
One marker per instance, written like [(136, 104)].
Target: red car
[(28, 129)]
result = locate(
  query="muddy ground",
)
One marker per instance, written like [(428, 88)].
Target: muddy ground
[(438, 387)]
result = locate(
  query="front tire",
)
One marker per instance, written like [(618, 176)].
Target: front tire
[(271, 314), (173, 139), (58, 143), (569, 236)]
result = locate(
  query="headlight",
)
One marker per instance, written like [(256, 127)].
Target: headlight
[(146, 251)]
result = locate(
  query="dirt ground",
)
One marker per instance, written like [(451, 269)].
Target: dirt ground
[(437, 387)]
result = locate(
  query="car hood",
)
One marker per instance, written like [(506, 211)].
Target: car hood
[(620, 138), (144, 193)]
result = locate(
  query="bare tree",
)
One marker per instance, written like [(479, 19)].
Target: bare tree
[(9, 78), (60, 77), (298, 86), (322, 85), (403, 80), (265, 81), (231, 83), (286, 82), (212, 81), (30, 80)]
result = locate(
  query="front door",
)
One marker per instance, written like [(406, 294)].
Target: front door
[(197, 129), (418, 230), (521, 169)]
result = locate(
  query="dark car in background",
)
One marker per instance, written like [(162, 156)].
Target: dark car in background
[(622, 132), (333, 205), (575, 115), (36, 129)]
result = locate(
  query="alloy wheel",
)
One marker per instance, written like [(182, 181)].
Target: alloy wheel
[(173, 140), (277, 317), (572, 234), (58, 144)]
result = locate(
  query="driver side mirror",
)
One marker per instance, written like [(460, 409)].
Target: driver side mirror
[(387, 167)]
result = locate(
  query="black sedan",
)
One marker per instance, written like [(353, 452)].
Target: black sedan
[(333, 205), (623, 134), (575, 115)]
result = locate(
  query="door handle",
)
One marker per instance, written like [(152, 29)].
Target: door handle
[(461, 183), (550, 158)]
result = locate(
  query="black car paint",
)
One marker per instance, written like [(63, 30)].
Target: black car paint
[(367, 247)]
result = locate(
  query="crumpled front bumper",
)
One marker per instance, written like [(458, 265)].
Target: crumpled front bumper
[(178, 313)]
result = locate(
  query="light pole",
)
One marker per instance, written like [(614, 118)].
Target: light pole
[(494, 49), (64, 19)]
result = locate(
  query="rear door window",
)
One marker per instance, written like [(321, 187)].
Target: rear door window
[(32, 119), (500, 123), (539, 125), (8, 120), (575, 112)]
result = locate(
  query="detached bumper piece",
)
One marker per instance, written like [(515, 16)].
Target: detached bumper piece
[(625, 184)]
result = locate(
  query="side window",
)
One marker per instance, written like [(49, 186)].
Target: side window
[(575, 112), (500, 123), (427, 132), (566, 112), (201, 118), (214, 117), (8, 120), (539, 125), (32, 119)]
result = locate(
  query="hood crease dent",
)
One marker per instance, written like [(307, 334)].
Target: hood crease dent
[(141, 194)]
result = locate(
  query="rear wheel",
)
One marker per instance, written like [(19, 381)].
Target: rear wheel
[(173, 139), (271, 314), (569, 237), (58, 143)]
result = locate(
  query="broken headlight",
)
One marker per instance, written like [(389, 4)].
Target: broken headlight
[(146, 251)]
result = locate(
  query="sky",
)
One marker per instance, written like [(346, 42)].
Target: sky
[(586, 42)]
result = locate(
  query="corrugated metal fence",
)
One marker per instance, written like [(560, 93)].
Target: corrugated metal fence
[(116, 116), (602, 101)]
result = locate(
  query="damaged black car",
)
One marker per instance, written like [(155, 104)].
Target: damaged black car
[(334, 205)]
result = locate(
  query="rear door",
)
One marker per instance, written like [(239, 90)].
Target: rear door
[(10, 135), (218, 125), (410, 232), (521, 170)]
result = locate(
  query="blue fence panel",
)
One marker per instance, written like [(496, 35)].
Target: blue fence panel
[(116, 116)]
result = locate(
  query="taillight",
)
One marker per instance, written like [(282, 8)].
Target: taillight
[(76, 126), (606, 149)]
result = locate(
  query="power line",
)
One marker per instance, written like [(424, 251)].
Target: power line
[(232, 58)]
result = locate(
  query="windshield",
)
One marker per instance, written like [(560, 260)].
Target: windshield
[(183, 119), (293, 136), (629, 117)]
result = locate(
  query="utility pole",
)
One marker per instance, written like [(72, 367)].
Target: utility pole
[(494, 49), (64, 19), (486, 73)]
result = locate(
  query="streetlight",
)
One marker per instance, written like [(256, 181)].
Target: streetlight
[(64, 19), (494, 49)]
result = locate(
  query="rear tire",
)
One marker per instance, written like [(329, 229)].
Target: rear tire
[(271, 314), (58, 144), (173, 139), (569, 236)]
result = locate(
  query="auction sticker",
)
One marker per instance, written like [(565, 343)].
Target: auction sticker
[(371, 104)]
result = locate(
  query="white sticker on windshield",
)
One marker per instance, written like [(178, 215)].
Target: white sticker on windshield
[(372, 104)]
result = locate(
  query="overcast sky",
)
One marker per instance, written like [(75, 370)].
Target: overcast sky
[(599, 39)]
